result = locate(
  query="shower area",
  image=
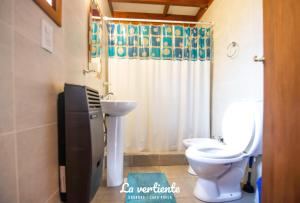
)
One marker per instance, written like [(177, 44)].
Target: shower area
[(165, 66)]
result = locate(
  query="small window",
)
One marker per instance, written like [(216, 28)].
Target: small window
[(50, 2), (52, 8)]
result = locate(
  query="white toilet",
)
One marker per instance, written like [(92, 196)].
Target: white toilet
[(221, 166)]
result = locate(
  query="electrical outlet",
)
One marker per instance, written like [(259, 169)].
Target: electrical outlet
[(47, 36)]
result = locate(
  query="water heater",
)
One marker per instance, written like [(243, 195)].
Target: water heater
[(81, 143)]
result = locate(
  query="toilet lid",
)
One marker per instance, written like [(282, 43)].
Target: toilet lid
[(238, 126)]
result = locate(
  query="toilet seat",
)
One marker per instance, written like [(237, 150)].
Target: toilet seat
[(214, 154), (200, 142), (197, 141)]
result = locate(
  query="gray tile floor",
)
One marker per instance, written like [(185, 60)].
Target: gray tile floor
[(177, 174)]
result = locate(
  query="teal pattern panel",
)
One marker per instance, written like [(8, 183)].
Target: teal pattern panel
[(167, 42), (167, 30), (121, 51), (95, 39), (155, 53), (163, 193)]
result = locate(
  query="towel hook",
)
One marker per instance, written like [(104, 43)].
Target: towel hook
[(233, 49), (259, 59)]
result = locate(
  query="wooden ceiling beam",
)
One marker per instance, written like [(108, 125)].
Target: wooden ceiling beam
[(111, 8), (210, 2), (166, 9), (191, 3), (153, 16), (201, 11)]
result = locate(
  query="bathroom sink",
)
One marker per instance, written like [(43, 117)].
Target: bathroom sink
[(117, 107)]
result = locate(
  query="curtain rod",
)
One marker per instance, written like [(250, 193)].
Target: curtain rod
[(96, 17), (105, 18)]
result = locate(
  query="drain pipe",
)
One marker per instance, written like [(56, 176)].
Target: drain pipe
[(248, 187)]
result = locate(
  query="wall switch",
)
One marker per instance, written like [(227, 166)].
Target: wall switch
[(47, 36)]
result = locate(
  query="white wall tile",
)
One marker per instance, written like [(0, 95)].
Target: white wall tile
[(6, 78), (8, 178), (6, 11), (30, 81), (239, 78), (37, 164)]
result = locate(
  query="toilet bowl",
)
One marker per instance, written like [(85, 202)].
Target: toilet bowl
[(221, 166), (198, 142)]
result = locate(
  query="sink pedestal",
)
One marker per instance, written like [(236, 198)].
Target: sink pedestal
[(115, 154), (115, 111)]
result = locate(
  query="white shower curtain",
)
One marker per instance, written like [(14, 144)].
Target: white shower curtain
[(173, 101)]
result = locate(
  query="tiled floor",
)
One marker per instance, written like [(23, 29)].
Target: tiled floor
[(177, 174)]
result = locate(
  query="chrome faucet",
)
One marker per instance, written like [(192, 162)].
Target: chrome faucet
[(106, 96), (220, 139)]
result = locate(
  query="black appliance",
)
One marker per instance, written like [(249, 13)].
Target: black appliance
[(81, 143)]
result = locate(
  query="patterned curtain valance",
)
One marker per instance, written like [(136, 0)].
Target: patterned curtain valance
[(173, 42), (95, 39)]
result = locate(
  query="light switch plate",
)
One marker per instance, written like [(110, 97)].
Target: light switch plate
[(47, 36)]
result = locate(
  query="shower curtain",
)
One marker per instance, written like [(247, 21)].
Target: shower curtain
[(166, 69)]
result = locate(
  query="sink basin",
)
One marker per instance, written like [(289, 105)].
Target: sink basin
[(117, 107)]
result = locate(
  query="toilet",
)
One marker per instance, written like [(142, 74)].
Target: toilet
[(220, 166)]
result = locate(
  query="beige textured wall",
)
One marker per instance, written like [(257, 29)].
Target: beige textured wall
[(104, 7), (239, 78), (30, 79)]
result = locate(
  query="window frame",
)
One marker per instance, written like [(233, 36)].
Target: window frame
[(54, 11)]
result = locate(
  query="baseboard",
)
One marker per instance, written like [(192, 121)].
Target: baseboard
[(154, 159)]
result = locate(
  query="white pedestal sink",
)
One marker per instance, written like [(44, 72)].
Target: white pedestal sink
[(116, 110)]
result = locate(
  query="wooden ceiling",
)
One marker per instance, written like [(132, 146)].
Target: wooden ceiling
[(200, 5)]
